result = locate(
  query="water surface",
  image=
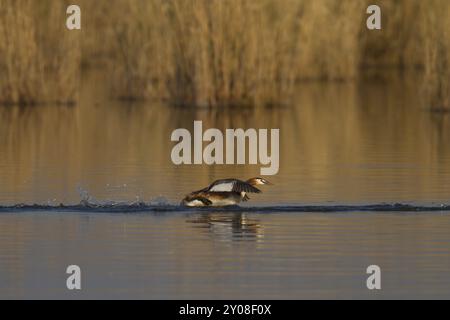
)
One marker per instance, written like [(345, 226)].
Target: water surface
[(225, 255), (364, 179)]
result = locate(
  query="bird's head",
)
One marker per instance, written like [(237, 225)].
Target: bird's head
[(258, 181)]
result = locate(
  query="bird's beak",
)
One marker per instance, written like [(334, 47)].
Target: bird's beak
[(268, 183)]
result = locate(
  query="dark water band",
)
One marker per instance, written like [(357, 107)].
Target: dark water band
[(144, 207)]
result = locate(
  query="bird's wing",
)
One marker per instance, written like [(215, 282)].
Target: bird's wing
[(232, 185)]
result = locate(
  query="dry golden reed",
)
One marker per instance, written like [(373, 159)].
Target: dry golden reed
[(217, 52), (235, 52), (39, 59), (400, 42), (230, 53), (437, 55)]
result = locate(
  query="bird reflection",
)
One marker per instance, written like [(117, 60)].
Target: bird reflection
[(227, 226)]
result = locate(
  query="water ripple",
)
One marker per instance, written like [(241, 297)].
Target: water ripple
[(143, 207)]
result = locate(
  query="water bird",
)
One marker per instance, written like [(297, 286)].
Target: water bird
[(224, 192)]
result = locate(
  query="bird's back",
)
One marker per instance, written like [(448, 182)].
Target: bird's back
[(231, 185)]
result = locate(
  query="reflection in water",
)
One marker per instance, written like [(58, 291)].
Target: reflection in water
[(229, 226)]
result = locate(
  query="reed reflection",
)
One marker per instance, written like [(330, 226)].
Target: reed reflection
[(342, 143)]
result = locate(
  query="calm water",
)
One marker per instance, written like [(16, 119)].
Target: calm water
[(340, 144)]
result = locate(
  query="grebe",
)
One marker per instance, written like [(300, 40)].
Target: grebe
[(224, 192)]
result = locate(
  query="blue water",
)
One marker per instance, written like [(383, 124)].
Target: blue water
[(168, 252), (364, 179)]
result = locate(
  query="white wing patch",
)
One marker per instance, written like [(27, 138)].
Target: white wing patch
[(223, 187), (195, 203)]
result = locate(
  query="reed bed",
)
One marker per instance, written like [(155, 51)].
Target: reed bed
[(400, 42), (141, 43), (216, 53), (232, 53), (39, 58), (213, 66), (437, 55)]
